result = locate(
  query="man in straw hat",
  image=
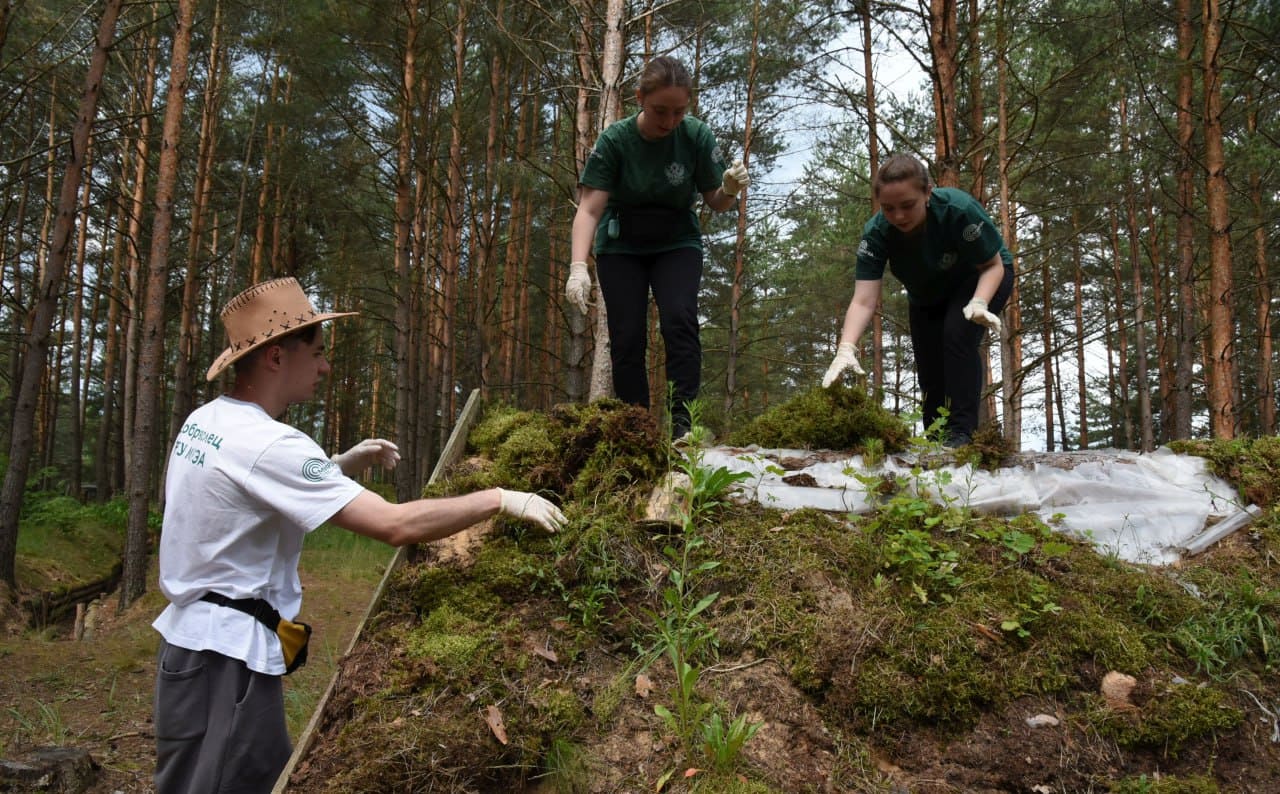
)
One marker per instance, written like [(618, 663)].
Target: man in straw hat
[(242, 490)]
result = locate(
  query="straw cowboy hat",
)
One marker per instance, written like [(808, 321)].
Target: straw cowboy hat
[(263, 312)]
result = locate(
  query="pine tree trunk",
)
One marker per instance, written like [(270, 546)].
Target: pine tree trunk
[(1188, 323), (184, 375), (943, 47), (1139, 300), (739, 256), (611, 59), (1011, 334), (135, 285), (1046, 320), (151, 355), (873, 161), (1223, 409), (22, 443), (453, 222), (1122, 333), (402, 351), (75, 413), (1082, 386), (1265, 384)]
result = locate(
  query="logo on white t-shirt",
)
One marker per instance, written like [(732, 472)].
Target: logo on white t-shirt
[(317, 469), (972, 232)]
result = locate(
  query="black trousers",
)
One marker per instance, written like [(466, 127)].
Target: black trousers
[(625, 283), (948, 364)]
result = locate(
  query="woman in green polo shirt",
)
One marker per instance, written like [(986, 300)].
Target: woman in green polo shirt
[(635, 213), (943, 247)]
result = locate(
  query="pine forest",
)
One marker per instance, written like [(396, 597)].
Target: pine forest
[(417, 162)]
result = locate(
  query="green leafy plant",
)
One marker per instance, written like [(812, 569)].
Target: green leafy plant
[(722, 742), (682, 632), (1033, 608)]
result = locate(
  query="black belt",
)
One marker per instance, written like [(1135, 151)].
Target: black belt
[(265, 614)]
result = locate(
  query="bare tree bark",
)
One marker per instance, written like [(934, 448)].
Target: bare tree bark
[(739, 257), (873, 161), (1046, 319), (1121, 332), (1082, 388), (76, 465), (133, 580), (1011, 333), (943, 47), (22, 443), (402, 352), (136, 285), (1265, 383), (453, 220), (1145, 429), (1188, 323), (610, 110), (1223, 410), (184, 375)]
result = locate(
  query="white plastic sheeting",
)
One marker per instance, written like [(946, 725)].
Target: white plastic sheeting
[(1141, 508)]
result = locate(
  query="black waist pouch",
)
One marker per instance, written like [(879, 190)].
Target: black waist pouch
[(646, 226), (294, 636)]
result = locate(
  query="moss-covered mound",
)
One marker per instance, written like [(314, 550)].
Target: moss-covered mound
[(853, 653), (837, 418)]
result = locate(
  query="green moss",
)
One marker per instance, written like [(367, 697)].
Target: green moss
[(558, 710), (506, 569), (1169, 720), (708, 782), (1252, 465), (837, 418), (497, 423), (448, 638), (1164, 784)]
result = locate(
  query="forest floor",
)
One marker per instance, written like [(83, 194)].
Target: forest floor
[(736, 648), (94, 694)]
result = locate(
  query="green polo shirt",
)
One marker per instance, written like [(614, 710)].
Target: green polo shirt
[(669, 172), (958, 236)]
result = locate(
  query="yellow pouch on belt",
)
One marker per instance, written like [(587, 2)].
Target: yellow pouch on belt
[(293, 641), (293, 635)]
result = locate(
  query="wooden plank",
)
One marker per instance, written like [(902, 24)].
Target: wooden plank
[(453, 450), (1220, 530)]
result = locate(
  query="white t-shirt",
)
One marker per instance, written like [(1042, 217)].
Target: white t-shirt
[(241, 492)]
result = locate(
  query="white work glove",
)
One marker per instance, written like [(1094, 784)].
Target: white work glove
[(975, 311), (845, 359), (367, 453), (735, 179), (531, 507), (578, 287)]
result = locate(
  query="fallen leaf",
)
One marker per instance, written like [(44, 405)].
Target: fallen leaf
[(494, 717), (690, 772), (643, 685), (547, 653), (988, 633), (662, 781)]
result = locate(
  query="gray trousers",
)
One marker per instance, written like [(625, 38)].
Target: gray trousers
[(220, 727)]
